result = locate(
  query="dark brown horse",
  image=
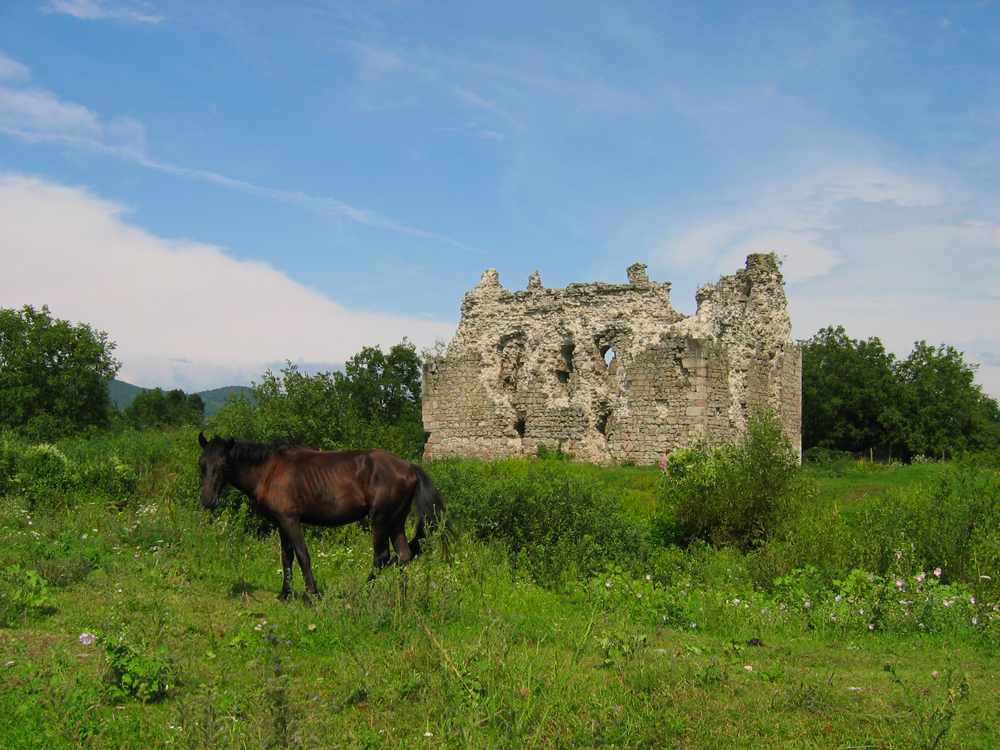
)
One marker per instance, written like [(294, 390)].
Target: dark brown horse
[(291, 485)]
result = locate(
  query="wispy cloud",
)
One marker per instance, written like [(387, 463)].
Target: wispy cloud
[(877, 251), (36, 115), (129, 11)]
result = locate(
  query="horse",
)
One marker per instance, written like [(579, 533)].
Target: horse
[(291, 485)]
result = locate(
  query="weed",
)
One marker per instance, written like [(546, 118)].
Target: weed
[(132, 675), (23, 593), (932, 710)]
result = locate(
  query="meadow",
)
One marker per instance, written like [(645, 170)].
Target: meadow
[(576, 609)]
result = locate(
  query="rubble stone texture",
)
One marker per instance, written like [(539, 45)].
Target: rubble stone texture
[(611, 372)]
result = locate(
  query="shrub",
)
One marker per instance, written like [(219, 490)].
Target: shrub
[(553, 520), (736, 495)]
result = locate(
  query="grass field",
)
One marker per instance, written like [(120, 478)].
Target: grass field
[(157, 625)]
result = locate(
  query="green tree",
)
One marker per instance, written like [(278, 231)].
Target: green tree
[(384, 387), (334, 411), (154, 408), (53, 374), (857, 397), (945, 410), (852, 397)]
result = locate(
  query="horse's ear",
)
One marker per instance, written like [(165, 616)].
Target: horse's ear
[(230, 443), (201, 439)]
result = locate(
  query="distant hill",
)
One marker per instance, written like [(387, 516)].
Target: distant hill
[(215, 398), (122, 394)]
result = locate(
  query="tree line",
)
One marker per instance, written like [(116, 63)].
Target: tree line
[(857, 397), (54, 383)]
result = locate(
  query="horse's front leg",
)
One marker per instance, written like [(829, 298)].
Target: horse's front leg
[(287, 554), (292, 531)]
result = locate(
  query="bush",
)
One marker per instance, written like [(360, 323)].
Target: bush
[(553, 521), (736, 495), (45, 474)]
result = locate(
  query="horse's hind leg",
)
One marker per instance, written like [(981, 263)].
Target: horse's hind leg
[(380, 541), (403, 549)]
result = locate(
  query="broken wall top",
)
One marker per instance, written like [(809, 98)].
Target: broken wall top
[(747, 310)]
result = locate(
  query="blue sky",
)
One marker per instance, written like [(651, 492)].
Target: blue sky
[(222, 186)]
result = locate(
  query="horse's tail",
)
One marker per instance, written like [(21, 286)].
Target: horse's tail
[(430, 512)]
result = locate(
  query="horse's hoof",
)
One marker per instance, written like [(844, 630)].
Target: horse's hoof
[(282, 597)]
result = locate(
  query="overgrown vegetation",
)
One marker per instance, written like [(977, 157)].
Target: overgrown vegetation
[(562, 618)]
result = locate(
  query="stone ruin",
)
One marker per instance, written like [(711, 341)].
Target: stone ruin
[(611, 372)]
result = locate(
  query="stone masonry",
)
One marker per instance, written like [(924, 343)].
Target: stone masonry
[(611, 372)]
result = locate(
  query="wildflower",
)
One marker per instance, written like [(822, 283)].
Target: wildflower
[(937, 572), (694, 624), (428, 734), (871, 626), (638, 596), (736, 601), (9, 664), (839, 597), (935, 674), (808, 605), (921, 577), (87, 639), (833, 617), (782, 607), (947, 602), (899, 554), (663, 462), (900, 583), (972, 600), (749, 667), (649, 577), (607, 584), (871, 578), (975, 620)]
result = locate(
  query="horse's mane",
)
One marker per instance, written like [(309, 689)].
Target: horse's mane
[(255, 453)]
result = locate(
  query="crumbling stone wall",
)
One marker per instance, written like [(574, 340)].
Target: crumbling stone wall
[(611, 371)]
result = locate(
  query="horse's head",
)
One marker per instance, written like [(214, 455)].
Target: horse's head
[(214, 469)]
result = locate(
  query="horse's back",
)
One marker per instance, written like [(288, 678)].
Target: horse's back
[(343, 478)]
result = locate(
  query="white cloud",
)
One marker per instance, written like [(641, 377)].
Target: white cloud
[(133, 11), (880, 253), (184, 314)]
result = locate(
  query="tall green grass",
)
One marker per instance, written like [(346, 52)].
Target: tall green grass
[(561, 619)]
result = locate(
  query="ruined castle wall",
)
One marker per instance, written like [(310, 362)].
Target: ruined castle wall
[(611, 372)]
